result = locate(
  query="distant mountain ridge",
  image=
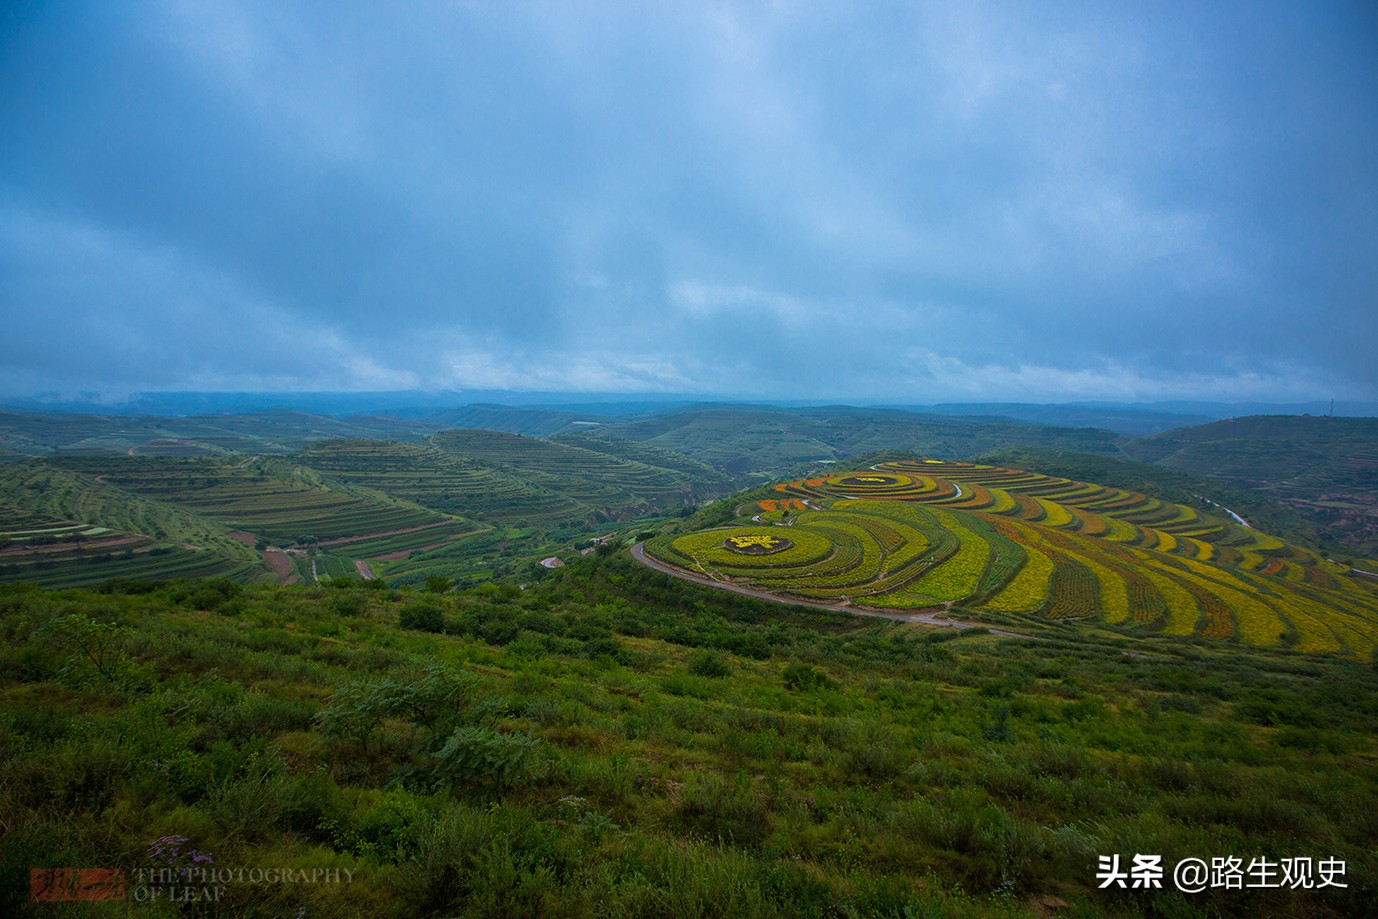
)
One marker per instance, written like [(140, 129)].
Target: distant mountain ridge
[(1134, 419)]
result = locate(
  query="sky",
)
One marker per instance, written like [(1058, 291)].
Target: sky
[(888, 202)]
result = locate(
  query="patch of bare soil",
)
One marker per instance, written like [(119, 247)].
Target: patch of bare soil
[(281, 565)]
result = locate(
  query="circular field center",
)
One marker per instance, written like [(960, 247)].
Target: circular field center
[(738, 549), (757, 544), (872, 480)]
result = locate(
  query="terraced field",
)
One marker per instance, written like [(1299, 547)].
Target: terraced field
[(1021, 545), (467, 505), (64, 528), (265, 497), (191, 517), (580, 468), (443, 480)]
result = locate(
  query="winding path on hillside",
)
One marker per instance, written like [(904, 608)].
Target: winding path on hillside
[(639, 553)]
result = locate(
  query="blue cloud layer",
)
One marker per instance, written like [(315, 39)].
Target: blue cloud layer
[(810, 200)]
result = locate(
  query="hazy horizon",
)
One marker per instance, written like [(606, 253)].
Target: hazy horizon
[(920, 204), (420, 403)]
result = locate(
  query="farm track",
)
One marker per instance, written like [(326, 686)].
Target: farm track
[(344, 540), (933, 619)]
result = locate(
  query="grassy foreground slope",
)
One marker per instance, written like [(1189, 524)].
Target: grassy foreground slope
[(1014, 546), (612, 742)]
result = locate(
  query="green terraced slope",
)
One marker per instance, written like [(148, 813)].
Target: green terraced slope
[(445, 481), (1325, 468), (276, 431), (325, 525), (64, 527), (614, 483), (743, 440)]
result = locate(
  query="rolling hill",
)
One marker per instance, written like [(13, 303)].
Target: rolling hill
[(1325, 468), (760, 441), (1010, 546)]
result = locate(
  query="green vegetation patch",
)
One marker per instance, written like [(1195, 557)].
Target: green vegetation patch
[(615, 742)]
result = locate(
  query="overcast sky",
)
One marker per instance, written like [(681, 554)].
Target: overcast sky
[(866, 201)]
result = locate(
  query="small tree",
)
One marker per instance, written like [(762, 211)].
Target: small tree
[(97, 645), (422, 615)]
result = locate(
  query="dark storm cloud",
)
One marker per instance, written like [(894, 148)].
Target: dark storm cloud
[(945, 201)]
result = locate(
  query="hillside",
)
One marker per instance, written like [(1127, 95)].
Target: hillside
[(238, 518), (70, 528), (1325, 468), (610, 481), (1002, 545), (274, 431), (532, 422), (465, 505), (604, 739), (612, 742), (443, 480), (762, 441), (699, 474), (1263, 512)]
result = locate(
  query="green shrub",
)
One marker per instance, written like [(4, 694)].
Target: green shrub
[(801, 677), (479, 757), (422, 616), (706, 663)]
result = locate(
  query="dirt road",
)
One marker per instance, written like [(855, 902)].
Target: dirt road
[(928, 618)]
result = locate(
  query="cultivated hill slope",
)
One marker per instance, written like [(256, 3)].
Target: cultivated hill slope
[(697, 472), (466, 504), (1015, 546), (183, 505), (612, 482), (1327, 468), (532, 422), (443, 480), (71, 528)]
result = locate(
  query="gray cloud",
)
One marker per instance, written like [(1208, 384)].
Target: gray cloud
[(987, 201)]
